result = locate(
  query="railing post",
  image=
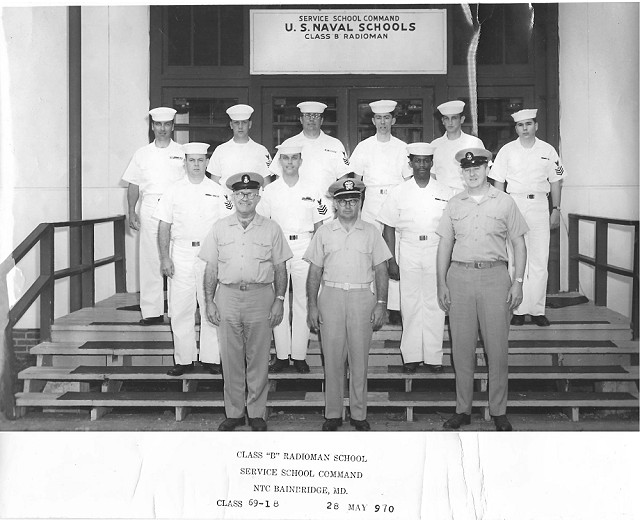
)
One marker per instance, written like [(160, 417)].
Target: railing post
[(119, 252), (88, 259), (574, 265), (47, 296), (634, 296), (602, 241)]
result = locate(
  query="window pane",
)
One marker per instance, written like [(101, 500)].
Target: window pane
[(491, 44), (205, 41), (179, 36), (518, 34), (232, 36)]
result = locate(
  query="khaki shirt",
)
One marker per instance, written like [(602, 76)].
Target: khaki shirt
[(480, 230), (245, 255), (347, 257)]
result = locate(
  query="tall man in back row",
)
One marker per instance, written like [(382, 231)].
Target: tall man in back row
[(244, 284), (531, 170), (152, 169), (345, 256)]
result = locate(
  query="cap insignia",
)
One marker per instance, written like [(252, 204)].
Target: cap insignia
[(349, 185), (245, 179)]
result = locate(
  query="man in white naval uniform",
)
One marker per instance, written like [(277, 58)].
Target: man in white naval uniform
[(239, 154), (299, 208), (445, 167), (152, 169), (532, 169), (413, 209), (325, 158), (186, 212), (380, 161)]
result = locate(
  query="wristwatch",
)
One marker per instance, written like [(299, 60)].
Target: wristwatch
[(280, 298), (557, 207), (518, 280)]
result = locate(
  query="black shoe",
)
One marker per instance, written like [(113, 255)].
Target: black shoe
[(230, 424), (212, 368), (258, 424), (278, 365), (156, 320), (178, 370), (455, 421), (436, 369), (502, 423), (517, 319), (301, 366), (410, 368), (331, 425), (395, 318), (361, 426), (540, 321)]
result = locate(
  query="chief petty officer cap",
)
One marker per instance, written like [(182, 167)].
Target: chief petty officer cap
[(384, 106), (451, 108), (162, 114), (195, 148), (239, 112), (311, 107), (420, 149), (245, 181), (346, 188), (527, 113), (473, 157), (289, 149)]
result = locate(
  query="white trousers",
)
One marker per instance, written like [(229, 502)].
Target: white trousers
[(151, 280), (187, 289), (422, 318), (292, 340), (534, 287)]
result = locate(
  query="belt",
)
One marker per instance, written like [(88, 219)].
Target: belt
[(480, 264), (411, 237), (246, 286), (530, 195), (186, 243), (348, 286)]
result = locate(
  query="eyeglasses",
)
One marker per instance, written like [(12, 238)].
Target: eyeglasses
[(347, 202), (309, 115), (249, 196)]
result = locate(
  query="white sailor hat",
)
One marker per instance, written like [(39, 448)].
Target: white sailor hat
[(245, 181), (239, 112), (420, 149), (451, 108), (344, 188), (195, 148), (473, 157), (527, 113), (311, 107), (289, 149), (162, 114), (384, 106)]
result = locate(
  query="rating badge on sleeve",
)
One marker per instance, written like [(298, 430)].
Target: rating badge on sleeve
[(322, 208), (227, 203)]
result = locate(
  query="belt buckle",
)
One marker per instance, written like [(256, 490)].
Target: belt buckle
[(293, 237), (195, 244), (346, 286), (383, 191), (243, 287), (478, 265), (423, 237), (531, 196)]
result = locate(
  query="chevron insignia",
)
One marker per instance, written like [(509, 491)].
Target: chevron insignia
[(227, 203), (344, 158), (559, 168), (322, 208), (268, 160)]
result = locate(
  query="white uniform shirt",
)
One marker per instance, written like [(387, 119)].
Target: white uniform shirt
[(153, 169), (295, 208), (527, 170), (381, 163), (230, 158), (445, 167), (413, 210), (191, 209), (323, 159)]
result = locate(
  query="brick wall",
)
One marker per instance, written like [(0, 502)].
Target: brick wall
[(24, 339)]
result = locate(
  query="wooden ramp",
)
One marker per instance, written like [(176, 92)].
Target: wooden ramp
[(101, 359)]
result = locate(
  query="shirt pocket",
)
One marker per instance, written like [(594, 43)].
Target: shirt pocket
[(225, 251), (261, 250), (461, 223), (495, 223)]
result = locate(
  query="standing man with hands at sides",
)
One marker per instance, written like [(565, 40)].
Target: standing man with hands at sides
[(186, 212), (240, 153), (299, 209), (474, 286), (325, 158), (152, 169), (445, 167), (413, 209), (346, 255), (531, 169), (244, 284)]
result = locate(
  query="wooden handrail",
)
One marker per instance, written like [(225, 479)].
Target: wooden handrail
[(600, 260), (82, 279)]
